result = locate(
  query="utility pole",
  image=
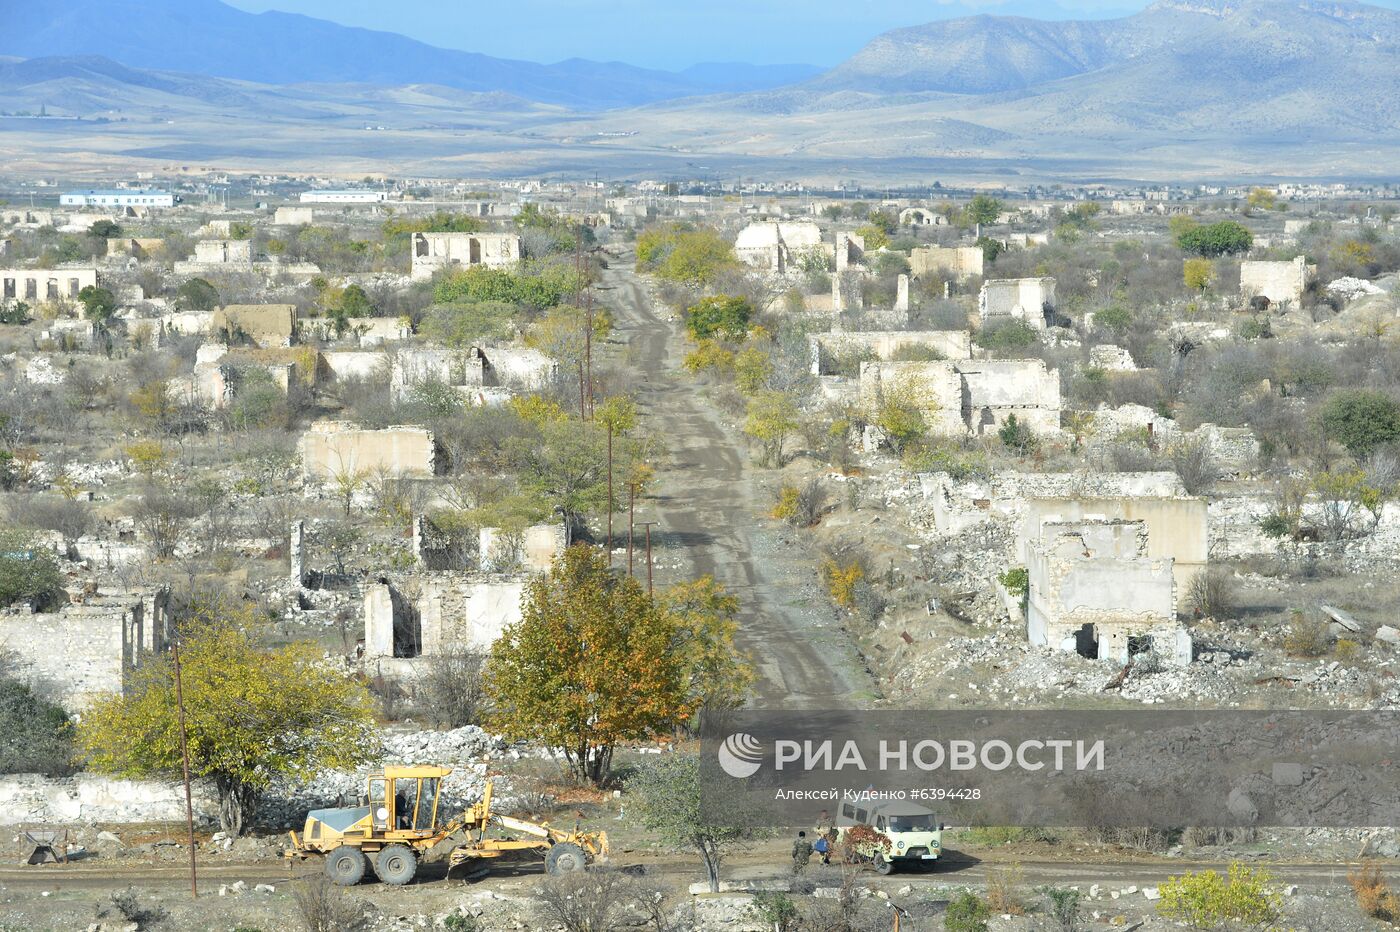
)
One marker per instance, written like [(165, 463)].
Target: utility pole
[(185, 760), (631, 522), (647, 525), (610, 495)]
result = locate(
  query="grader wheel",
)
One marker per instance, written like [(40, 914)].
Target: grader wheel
[(565, 858), (346, 866), (396, 865)]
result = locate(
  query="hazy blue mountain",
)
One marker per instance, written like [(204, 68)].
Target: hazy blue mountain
[(211, 38)]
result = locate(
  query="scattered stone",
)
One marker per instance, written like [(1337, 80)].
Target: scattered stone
[(1388, 634), (1151, 893), (264, 888), (1288, 774)]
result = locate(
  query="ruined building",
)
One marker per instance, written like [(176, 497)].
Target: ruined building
[(1095, 590), (1029, 299), (778, 246), (432, 252)]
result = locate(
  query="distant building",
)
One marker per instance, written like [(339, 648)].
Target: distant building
[(343, 197), (434, 251), (117, 198)]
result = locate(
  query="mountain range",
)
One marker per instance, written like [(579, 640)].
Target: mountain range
[(212, 38), (1185, 88)]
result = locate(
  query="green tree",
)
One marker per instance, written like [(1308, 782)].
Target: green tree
[(28, 572), (252, 715), (196, 295), (1226, 238), (536, 287), (35, 736), (665, 795), (465, 325), (1361, 420), (772, 416), (1206, 900), (99, 304), (1115, 318), (104, 229), (718, 314), (588, 666), (1262, 199), (901, 412), (982, 209), (681, 254)]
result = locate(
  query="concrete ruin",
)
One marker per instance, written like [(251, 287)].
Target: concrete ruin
[(217, 255), (1029, 299), (778, 246), (958, 262), (88, 649), (826, 348), (45, 284), (1279, 282), (1176, 527), (434, 613), (266, 325), (1094, 589), (850, 250), (333, 450), (975, 396), (921, 217), (433, 252), (294, 216), (136, 248), (482, 375)]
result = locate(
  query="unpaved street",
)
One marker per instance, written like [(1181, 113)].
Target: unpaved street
[(709, 503)]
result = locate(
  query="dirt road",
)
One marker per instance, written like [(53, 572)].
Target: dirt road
[(708, 504)]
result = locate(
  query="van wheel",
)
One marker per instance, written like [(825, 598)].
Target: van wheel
[(346, 866), (883, 865)]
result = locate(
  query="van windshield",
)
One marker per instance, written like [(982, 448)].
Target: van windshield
[(913, 823)]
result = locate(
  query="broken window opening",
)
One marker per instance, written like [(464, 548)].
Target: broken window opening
[(1086, 642)]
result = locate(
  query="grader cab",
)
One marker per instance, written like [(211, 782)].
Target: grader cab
[(399, 823)]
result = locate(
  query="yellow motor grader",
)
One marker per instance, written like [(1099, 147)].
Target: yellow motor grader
[(399, 824)]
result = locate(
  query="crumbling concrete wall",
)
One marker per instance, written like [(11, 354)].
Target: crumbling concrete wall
[(959, 262), (267, 325), (86, 650), (1177, 528), (338, 448), (534, 548), (354, 365), (1278, 281), (1094, 589), (223, 252), (139, 248), (935, 386), (294, 216), (473, 372), (953, 505), (432, 252), (1027, 299), (994, 390), (778, 246), (32, 285), (824, 347), (432, 613)]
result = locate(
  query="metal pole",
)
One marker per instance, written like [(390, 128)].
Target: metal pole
[(185, 760), (631, 522), (610, 496), (647, 525)]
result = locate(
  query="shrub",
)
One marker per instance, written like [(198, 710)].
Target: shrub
[(452, 687), (129, 906), (1017, 436), (324, 907), (1061, 907), (967, 912), (1361, 420), (1196, 466), (1016, 581), (1004, 890), (799, 506), (775, 909), (1307, 637), (916, 352), (841, 581), (1212, 593), (1011, 335), (718, 315), (1206, 900), (35, 735), (28, 573), (1373, 894)]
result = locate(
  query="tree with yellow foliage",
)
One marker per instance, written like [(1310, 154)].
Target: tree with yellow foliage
[(590, 664), (251, 715), (1198, 274)]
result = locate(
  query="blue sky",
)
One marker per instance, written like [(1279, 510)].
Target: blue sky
[(670, 34)]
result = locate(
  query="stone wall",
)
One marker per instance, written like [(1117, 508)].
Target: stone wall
[(950, 344), (936, 386), (1278, 281), (996, 389), (422, 614), (331, 448), (1027, 299), (264, 324), (960, 262), (432, 252), (32, 285), (26, 799)]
